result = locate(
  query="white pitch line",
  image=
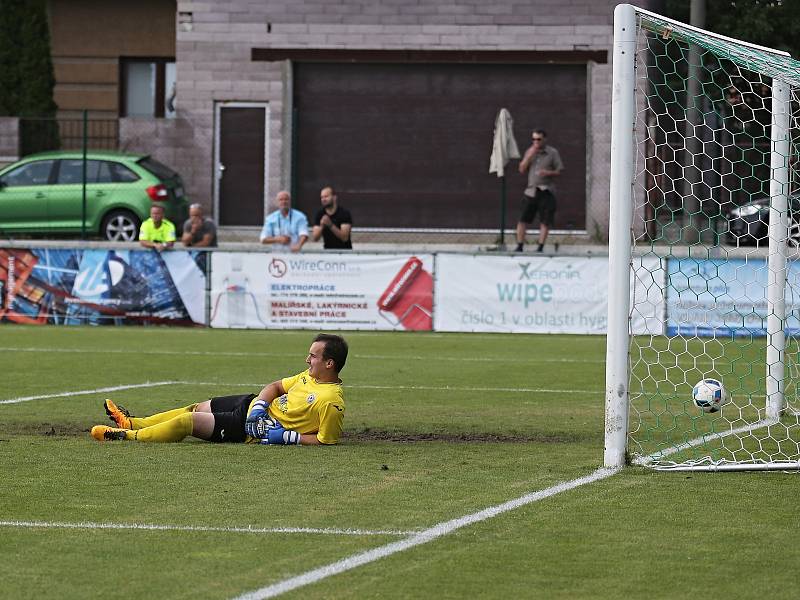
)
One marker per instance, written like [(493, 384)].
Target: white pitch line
[(445, 388), (480, 359), (531, 360), (423, 537), (151, 527), (85, 392)]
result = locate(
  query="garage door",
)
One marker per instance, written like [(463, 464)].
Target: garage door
[(408, 145)]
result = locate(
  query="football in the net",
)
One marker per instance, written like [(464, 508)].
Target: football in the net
[(709, 395)]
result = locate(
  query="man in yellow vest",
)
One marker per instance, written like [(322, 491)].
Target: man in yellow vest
[(157, 232)]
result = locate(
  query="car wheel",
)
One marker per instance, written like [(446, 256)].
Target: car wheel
[(120, 226)]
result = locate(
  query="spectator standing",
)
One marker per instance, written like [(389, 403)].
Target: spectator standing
[(333, 222), (286, 228), (199, 231), (543, 165), (157, 232)]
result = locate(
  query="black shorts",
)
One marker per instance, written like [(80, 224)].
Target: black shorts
[(230, 413), (544, 203)]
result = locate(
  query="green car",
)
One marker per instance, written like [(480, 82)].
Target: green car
[(43, 194)]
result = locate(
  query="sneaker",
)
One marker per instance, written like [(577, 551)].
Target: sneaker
[(118, 414), (103, 432)]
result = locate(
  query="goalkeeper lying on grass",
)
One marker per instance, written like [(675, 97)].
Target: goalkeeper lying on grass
[(307, 409)]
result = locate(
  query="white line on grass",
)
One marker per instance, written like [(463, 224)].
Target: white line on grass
[(450, 388), (260, 385), (530, 360), (151, 527), (423, 537), (85, 392)]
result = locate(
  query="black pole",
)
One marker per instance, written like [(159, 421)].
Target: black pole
[(83, 195), (502, 213), (293, 156)]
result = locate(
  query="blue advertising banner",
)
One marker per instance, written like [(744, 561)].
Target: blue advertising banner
[(102, 287), (712, 298)]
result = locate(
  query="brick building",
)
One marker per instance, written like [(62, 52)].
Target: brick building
[(392, 102)]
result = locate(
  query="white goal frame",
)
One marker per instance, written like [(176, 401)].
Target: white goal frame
[(622, 174)]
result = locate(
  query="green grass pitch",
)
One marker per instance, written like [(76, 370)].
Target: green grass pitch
[(438, 426)]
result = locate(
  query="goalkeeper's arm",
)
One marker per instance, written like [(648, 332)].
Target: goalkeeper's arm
[(271, 391), (258, 419), (278, 435), (260, 409), (267, 430)]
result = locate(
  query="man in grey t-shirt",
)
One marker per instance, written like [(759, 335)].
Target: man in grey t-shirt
[(543, 165), (198, 231)]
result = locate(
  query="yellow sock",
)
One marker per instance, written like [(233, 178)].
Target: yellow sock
[(141, 422), (173, 430)]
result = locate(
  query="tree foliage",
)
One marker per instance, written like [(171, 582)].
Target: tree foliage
[(26, 66), (771, 23)]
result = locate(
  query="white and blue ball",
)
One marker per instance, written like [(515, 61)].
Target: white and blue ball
[(709, 395)]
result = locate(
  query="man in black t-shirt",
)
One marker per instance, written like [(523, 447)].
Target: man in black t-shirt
[(332, 223)]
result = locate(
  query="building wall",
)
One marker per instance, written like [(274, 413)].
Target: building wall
[(88, 37), (9, 140), (214, 42)]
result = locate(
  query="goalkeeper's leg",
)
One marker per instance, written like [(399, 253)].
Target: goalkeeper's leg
[(171, 430), (198, 424), (162, 417)]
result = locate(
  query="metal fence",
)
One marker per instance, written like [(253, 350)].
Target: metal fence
[(40, 134)]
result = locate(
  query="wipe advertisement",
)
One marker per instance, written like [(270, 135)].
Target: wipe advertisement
[(531, 294)]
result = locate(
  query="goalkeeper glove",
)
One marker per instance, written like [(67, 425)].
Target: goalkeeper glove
[(255, 425), (259, 427), (259, 410), (279, 435)]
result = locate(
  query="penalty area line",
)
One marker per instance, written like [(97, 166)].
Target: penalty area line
[(417, 539), (200, 528), (86, 392)]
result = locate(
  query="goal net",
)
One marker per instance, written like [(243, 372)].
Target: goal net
[(705, 216)]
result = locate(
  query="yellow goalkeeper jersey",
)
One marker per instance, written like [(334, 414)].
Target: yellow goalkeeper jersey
[(309, 406)]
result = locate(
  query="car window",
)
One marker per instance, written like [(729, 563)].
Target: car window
[(33, 173), (158, 169), (120, 173), (103, 169), (70, 171)]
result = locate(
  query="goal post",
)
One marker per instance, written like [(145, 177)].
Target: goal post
[(619, 234), (704, 215)]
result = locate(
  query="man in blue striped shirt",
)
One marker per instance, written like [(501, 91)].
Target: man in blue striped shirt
[(286, 228)]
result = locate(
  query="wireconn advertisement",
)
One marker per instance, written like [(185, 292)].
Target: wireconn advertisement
[(528, 294), (322, 291)]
